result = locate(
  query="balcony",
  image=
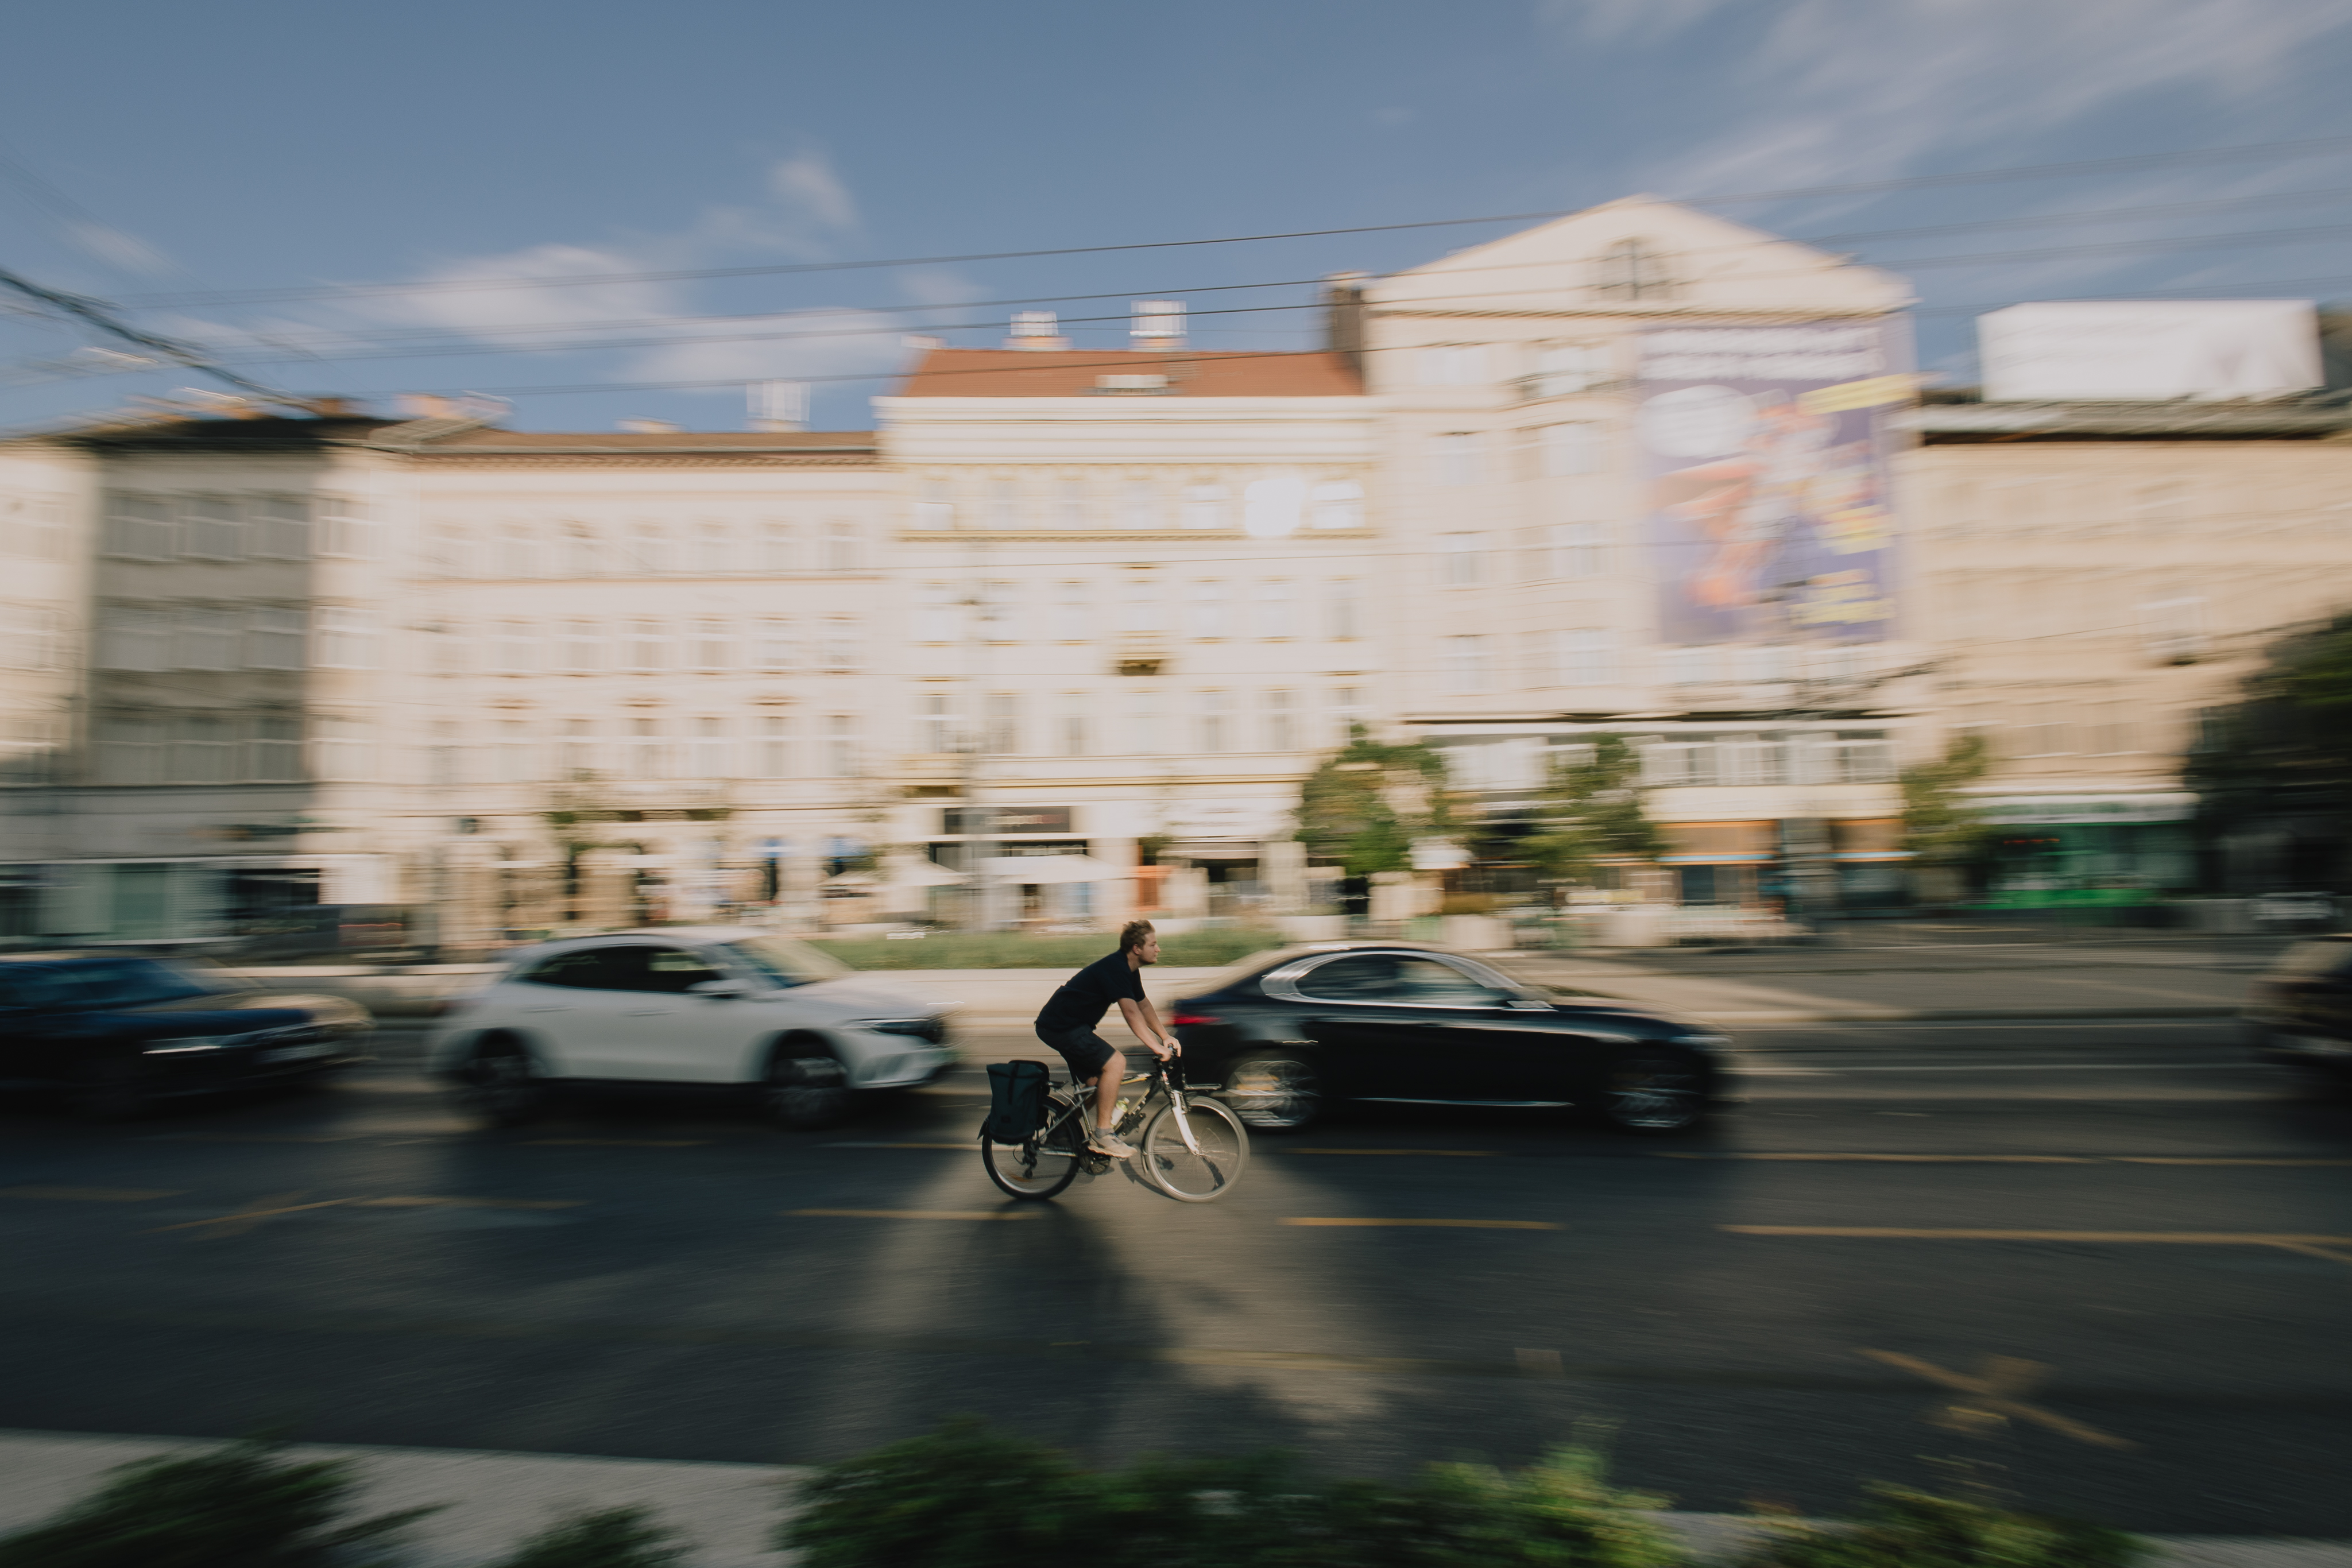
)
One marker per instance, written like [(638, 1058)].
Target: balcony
[(1141, 652), (931, 767)]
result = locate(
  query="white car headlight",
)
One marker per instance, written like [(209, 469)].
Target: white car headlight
[(191, 1042)]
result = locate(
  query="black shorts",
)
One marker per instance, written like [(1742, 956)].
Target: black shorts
[(1083, 1048)]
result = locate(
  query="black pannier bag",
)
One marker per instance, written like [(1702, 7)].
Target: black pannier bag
[(1016, 1101)]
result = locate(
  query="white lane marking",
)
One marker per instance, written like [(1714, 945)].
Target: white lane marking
[(2025, 1067)]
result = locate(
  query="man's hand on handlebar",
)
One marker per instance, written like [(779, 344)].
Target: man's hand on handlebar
[(1173, 1048)]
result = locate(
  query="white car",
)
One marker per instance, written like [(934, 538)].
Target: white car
[(682, 1006)]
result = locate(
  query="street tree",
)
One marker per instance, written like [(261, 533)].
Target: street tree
[(2280, 757), (1365, 804), (1591, 812), (1939, 828)]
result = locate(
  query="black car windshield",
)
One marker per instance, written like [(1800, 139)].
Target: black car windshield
[(785, 961), (110, 983)]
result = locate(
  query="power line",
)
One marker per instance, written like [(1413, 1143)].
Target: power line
[(98, 314), (2309, 147)]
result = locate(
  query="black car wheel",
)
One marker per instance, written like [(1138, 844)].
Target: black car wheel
[(117, 1088), (1654, 1090), (1273, 1092), (807, 1087), (502, 1084)]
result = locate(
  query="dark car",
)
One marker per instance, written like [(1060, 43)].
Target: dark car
[(116, 1033), (2299, 1014), (1288, 1034)]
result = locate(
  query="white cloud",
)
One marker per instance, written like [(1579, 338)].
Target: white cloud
[(116, 248), (808, 182)]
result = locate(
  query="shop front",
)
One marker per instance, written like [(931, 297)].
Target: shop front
[(2120, 852)]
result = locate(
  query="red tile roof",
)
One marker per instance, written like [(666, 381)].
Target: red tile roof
[(1074, 372)]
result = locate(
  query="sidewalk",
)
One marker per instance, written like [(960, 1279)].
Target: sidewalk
[(497, 1500)]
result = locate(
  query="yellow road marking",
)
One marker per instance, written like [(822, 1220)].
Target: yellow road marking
[(1901, 1159), (962, 1148), (430, 1201), (91, 1194), (616, 1142), (1436, 1224), (1453, 1154), (1995, 1395), (910, 1214), (2175, 1237), (2199, 1160), (245, 1219)]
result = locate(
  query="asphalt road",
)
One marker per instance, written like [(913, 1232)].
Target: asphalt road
[(2157, 1338)]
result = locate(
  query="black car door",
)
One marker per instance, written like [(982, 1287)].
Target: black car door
[(1401, 1026)]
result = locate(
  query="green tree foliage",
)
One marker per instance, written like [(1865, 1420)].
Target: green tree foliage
[(624, 1537), (1901, 1528), (1936, 826), (242, 1506), (1365, 803), (2284, 747), (1592, 811)]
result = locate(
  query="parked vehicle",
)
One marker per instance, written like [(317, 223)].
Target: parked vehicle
[(2283, 910), (715, 1008), (117, 1033), (1289, 1033), (2299, 1014)]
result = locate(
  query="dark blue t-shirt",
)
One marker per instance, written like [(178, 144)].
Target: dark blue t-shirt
[(1084, 997)]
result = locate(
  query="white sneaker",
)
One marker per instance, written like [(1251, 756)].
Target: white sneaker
[(1103, 1141)]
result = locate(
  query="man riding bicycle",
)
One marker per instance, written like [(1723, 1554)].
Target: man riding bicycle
[(1068, 1021)]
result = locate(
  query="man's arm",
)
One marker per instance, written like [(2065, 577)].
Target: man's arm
[(1145, 1021)]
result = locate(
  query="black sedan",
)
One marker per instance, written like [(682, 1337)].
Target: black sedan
[(2299, 1014), (116, 1033), (1288, 1034)]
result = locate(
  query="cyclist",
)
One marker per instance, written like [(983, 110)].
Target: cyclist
[(1068, 1021)]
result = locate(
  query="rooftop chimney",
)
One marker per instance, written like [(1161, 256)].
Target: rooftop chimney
[(1038, 330), (1158, 324), (1343, 317), (777, 406)]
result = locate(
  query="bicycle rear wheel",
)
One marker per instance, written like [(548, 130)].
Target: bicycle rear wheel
[(1187, 1176), (1036, 1169)]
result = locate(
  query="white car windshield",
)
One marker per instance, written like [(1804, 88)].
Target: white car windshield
[(785, 961)]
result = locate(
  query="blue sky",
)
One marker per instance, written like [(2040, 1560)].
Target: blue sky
[(168, 155)]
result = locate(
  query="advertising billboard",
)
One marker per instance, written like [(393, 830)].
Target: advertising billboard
[(1764, 461)]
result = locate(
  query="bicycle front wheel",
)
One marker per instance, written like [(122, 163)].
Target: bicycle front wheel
[(1180, 1172), (1034, 1169)]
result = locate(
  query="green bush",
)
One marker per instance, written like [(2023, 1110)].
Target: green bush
[(966, 1498), (1903, 1528), (1013, 950), (242, 1506), (608, 1538)]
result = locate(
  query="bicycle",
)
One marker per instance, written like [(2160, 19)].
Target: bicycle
[(1193, 1149)]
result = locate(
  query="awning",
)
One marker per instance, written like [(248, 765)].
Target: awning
[(913, 871), (1042, 869)]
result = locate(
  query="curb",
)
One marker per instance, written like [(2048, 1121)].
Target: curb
[(497, 1498)]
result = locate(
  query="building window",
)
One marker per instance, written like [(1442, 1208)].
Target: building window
[(1344, 607), (1144, 736), (204, 750), (841, 745), (1208, 507), (29, 637), (34, 526), (1071, 725), (517, 649), (935, 613), (582, 648), (1345, 712), (774, 645), (281, 527), (1467, 663), (576, 549), (1587, 658), (1140, 605), (132, 639), (1578, 550), (130, 751), (841, 646), (1277, 614), (645, 756), (1001, 736), (714, 550), (648, 647), (347, 526), (2172, 631), (1452, 364), (1337, 504), (936, 509), (1070, 504), (1281, 721), (1454, 458), (578, 760), (1215, 715), (518, 552), (1073, 612), (1690, 667), (935, 723), (1209, 609), (1462, 559), (212, 529), (1563, 369), (1631, 269), (1002, 502), (347, 639), (1000, 611), (204, 640), (710, 759), (277, 755), (1570, 449), (779, 547), (714, 645), (512, 758), (843, 551), (445, 759), (1138, 505), (138, 526), (649, 552), (776, 745)]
